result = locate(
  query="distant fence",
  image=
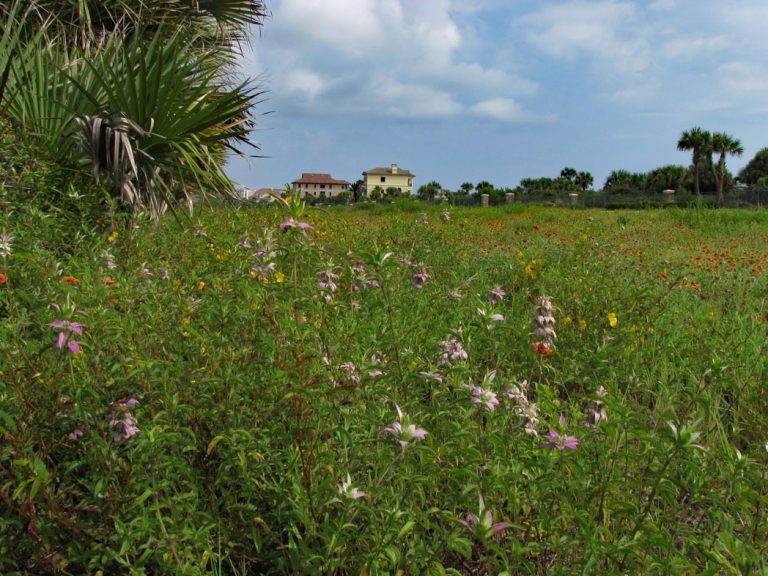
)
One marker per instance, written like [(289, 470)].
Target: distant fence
[(743, 198)]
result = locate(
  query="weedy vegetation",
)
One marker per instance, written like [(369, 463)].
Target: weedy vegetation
[(379, 391)]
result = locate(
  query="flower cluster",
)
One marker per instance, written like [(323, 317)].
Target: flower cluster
[(110, 258), (124, 425), (290, 223), (6, 245), (67, 329), (496, 295), (326, 284), (484, 397), (348, 491), (350, 372), (361, 279), (404, 431), (420, 277), (544, 333), (451, 352), (481, 525), (560, 441), (598, 411), (527, 411)]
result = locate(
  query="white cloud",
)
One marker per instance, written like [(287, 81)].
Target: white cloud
[(401, 58), (504, 109), (606, 32)]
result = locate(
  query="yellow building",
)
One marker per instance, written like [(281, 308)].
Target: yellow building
[(392, 177)]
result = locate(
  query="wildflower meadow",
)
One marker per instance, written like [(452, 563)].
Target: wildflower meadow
[(395, 389)]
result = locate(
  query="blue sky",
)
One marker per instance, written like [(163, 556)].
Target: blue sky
[(496, 90)]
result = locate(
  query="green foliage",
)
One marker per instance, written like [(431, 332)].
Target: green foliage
[(266, 355), (102, 100), (755, 169)]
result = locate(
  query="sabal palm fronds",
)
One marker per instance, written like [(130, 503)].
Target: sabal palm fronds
[(165, 116)]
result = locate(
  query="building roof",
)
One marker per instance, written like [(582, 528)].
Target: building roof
[(313, 178), (379, 170)]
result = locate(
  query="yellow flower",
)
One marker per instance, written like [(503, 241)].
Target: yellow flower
[(113, 236), (567, 320), (200, 286), (185, 321), (613, 320), (279, 277), (582, 324)]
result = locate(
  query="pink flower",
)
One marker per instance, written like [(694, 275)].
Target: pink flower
[(420, 277), (561, 441), (451, 352), (481, 525), (348, 491), (293, 223), (403, 431), (496, 295), (124, 428), (485, 397), (65, 336)]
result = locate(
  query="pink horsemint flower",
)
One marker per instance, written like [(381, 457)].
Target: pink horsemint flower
[(124, 425), (484, 397), (420, 278), (496, 295), (403, 431), (65, 336), (326, 284), (598, 411), (544, 332), (451, 352), (436, 376), (348, 491), (481, 525), (350, 372), (290, 222), (561, 441)]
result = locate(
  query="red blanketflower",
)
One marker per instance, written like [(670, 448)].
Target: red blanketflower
[(71, 280)]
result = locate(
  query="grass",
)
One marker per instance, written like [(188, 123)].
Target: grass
[(262, 369)]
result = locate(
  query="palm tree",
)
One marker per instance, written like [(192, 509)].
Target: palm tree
[(698, 141), (584, 180), (99, 93), (723, 144)]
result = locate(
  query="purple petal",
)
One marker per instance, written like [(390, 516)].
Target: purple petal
[(61, 340), (75, 327), (74, 347), (58, 324), (498, 527)]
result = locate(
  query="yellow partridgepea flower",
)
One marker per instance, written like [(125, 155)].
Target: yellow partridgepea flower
[(613, 320)]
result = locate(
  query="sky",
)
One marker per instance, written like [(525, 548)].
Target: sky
[(463, 91)]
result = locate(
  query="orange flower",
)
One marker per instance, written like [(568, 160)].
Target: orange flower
[(542, 348), (71, 280), (108, 282), (3, 278)]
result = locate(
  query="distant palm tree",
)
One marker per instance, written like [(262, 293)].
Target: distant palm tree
[(467, 187), (585, 180), (723, 144), (698, 141)]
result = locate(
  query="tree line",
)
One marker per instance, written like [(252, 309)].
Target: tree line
[(707, 174)]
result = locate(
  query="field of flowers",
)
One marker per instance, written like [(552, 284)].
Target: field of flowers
[(386, 390)]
